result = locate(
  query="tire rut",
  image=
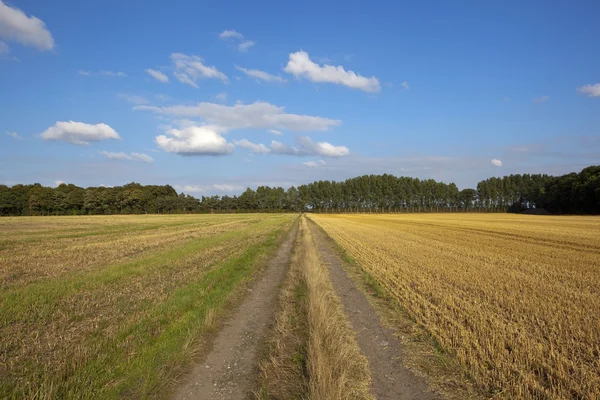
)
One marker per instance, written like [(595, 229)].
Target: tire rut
[(230, 369), (383, 350)]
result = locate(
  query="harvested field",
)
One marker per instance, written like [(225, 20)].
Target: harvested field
[(113, 306), (514, 298)]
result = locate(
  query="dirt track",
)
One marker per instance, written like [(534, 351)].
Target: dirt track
[(229, 370), (391, 380)]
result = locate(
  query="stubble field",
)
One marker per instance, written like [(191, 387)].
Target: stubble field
[(101, 307), (516, 299)]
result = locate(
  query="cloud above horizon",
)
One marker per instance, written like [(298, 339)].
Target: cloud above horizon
[(590, 90), (79, 133), (245, 116), (189, 69), (262, 75), (124, 156), (304, 146), (159, 76), (301, 66), (243, 44), (31, 31)]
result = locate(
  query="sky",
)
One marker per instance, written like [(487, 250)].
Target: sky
[(212, 97)]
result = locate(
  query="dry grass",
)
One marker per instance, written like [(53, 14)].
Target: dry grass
[(313, 353), (514, 298), (102, 307)]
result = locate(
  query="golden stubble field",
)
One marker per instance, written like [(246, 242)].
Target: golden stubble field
[(111, 306), (515, 298)]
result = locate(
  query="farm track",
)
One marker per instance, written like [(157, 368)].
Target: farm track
[(383, 350), (229, 370)]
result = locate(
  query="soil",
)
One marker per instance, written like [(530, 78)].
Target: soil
[(383, 350), (230, 369)]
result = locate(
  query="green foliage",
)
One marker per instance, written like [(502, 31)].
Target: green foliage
[(572, 193)]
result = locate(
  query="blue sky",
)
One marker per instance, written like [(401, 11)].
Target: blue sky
[(214, 96)]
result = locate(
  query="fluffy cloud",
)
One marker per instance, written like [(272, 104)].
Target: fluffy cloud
[(590, 90), (14, 135), (301, 66), (496, 163), (541, 99), (79, 132), (124, 156), (262, 75), (275, 132), (243, 43), (304, 147), (188, 69), (159, 76), (253, 147), (246, 116), (15, 25), (194, 140)]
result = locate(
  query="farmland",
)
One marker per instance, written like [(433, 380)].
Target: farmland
[(113, 306), (514, 299)]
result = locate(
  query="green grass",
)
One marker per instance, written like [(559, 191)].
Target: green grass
[(137, 353)]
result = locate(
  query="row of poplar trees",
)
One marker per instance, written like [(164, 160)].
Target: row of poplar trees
[(575, 193)]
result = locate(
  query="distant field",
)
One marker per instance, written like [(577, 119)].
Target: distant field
[(515, 298), (110, 306)]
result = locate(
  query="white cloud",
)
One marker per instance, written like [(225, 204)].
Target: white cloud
[(262, 75), (304, 147), (221, 97), (301, 66), (221, 187), (15, 25), (188, 69), (195, 140), (405, 85), (243, 44), (112, 74), (226, 34), (275, 132), (590, 90), (14, 135), (58, 183), (541, 99), (133, 99), (4, 48), (496, 163), (227, 188), (190, 188), (314, 164), (159, 76), (124, 156), (79, 132), (253, 147), (246, 116)]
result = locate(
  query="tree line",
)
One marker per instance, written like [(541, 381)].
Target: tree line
[(575, 193)]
